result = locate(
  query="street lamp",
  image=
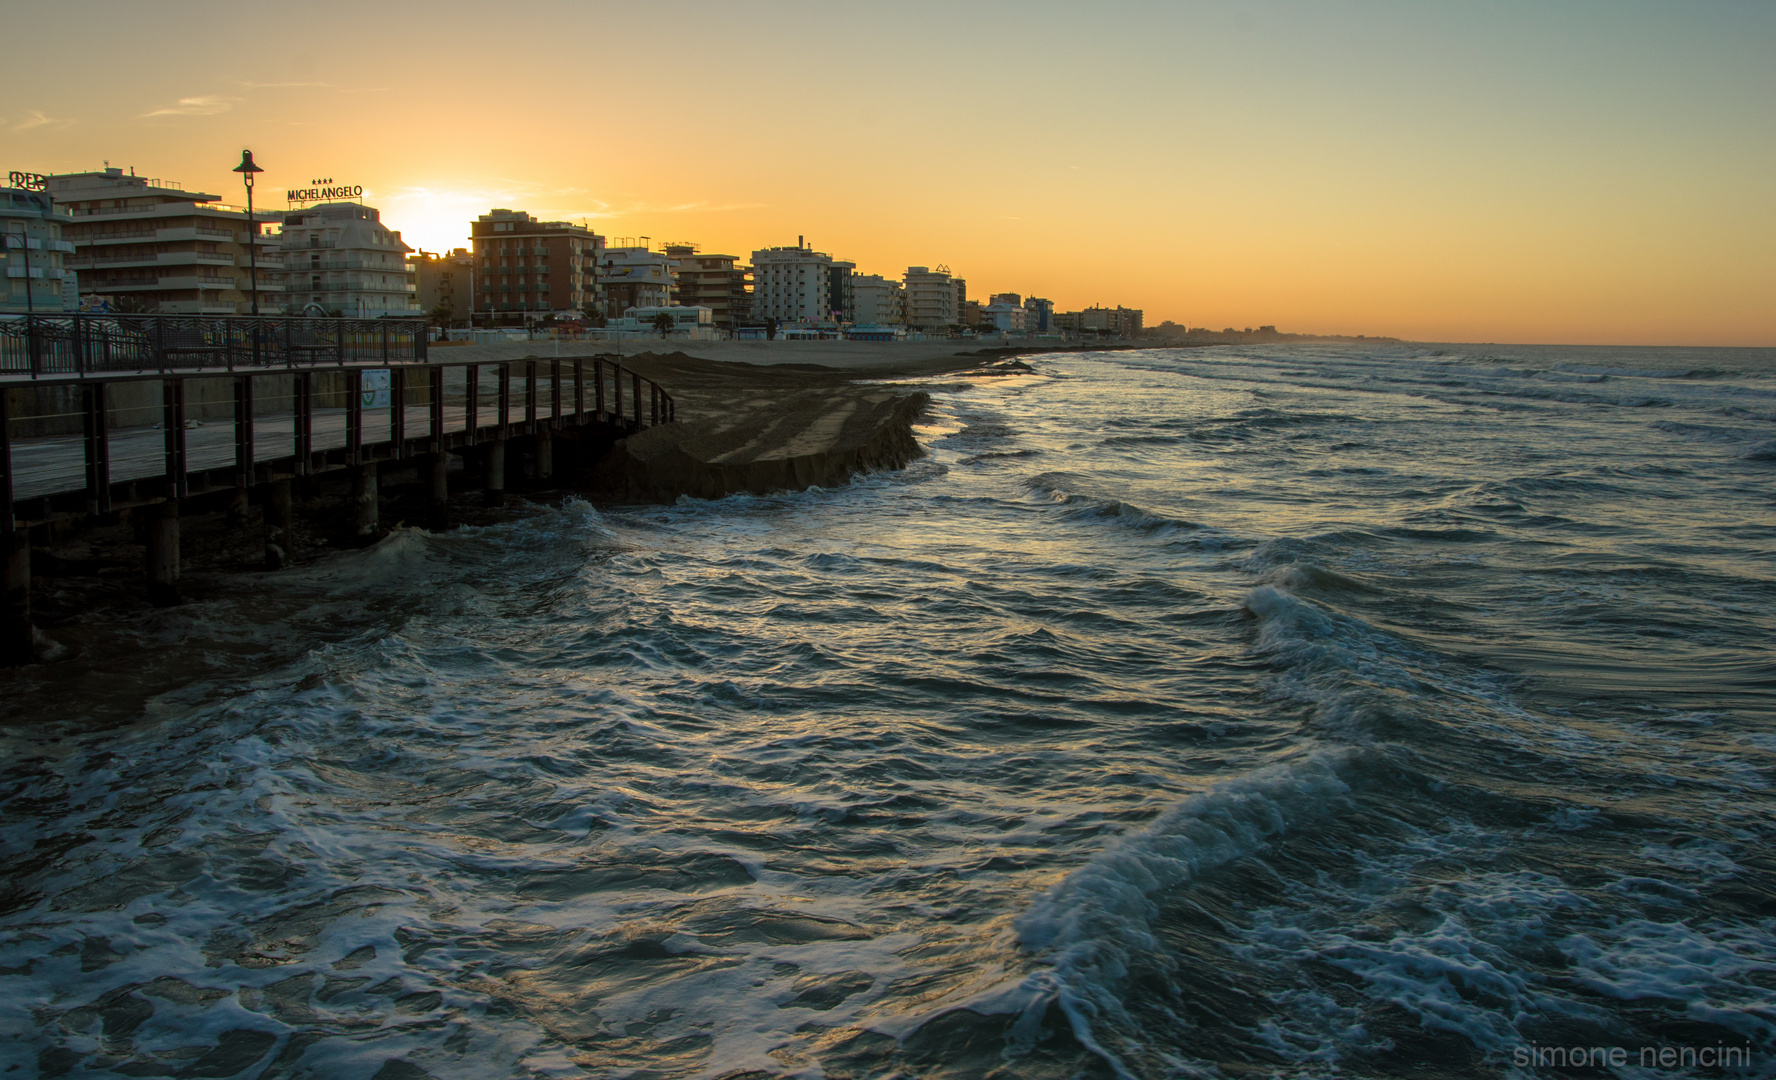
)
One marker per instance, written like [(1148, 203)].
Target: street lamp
[(246, 168)]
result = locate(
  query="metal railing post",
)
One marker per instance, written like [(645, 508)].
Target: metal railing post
[(530, 393), (6, 524), (437, 410), (354, 416), (472, 399), (98, 448), (398, 413), (505, 400), (173, 420), (304, 422), (243, 431)]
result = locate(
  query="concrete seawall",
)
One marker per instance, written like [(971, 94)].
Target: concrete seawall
[(815, 440), (747, 427)]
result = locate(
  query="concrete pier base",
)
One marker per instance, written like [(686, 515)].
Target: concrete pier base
[(163, 555), (545, 454), (367, 496), (495, 483), (438, 499), (15, 600), (278, 519)]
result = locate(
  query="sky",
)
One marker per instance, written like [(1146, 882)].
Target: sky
[(1489, 170)]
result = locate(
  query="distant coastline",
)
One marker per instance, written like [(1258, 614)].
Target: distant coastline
[(1170, 333)]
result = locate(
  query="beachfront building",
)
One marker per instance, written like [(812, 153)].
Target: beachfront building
[(1038, 315), (526, 268), (1007, 318), (792, 285), (636, 277), (712, 281), (150, 245), (340, 260), (445, 284), (696, 323), (1117, 321), (931, 297), (841, 293), (33, 254), (878, 301)]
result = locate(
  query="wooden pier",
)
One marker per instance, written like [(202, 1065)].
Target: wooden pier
[(126, 420)]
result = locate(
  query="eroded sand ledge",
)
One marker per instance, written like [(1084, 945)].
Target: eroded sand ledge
[(745, 427)]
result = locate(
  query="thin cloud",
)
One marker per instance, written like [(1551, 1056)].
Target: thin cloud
[(335, 87), (609, 210), (206, 105), (36, 118)]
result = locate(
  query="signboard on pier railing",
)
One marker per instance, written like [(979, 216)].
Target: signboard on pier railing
[(375, 388)]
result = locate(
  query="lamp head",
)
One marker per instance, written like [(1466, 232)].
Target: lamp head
[(246, 168)]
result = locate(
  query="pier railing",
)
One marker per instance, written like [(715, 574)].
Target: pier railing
[(83, 345), (145, 438)]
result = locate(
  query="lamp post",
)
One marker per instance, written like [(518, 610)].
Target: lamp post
[(24, 242), (246, 168)]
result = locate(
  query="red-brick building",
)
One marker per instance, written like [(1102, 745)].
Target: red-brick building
[(525, 268)]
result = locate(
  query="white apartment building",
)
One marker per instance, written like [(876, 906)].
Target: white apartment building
[(792, 285), (931, 298), (150, 245), (1006, 318), (338, 257), (879, 301), (637, 277), (31, 253)]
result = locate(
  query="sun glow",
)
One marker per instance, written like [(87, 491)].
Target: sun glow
[(1506, 173)]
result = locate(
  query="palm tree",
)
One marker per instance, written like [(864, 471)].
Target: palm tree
[(663, 322)]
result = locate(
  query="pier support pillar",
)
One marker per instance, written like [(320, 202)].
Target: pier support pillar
[(16, 646), (278, 521), (163, 555), (367, 495), (237, 506), (438, 504), (495, 484), (545, 454)]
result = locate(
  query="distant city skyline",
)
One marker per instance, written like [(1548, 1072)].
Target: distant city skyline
[(1592, 173)]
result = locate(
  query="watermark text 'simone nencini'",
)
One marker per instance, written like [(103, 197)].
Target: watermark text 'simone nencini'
[(1646, 1057)]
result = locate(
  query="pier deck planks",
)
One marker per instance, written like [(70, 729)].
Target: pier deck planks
[(55, 464)]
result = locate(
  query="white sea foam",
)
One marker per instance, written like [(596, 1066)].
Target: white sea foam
[(1094, 926)]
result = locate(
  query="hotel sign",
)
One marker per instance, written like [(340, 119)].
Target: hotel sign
[(30, 181), (324, 191)]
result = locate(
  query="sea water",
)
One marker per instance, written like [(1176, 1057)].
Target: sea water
[(1280, 710)]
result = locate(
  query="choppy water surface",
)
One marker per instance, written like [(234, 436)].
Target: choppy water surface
[(1293, 710)]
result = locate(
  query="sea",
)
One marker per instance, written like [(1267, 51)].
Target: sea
[(1298, 710)]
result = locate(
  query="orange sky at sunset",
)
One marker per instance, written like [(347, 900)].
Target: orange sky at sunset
[(1478, 172)]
